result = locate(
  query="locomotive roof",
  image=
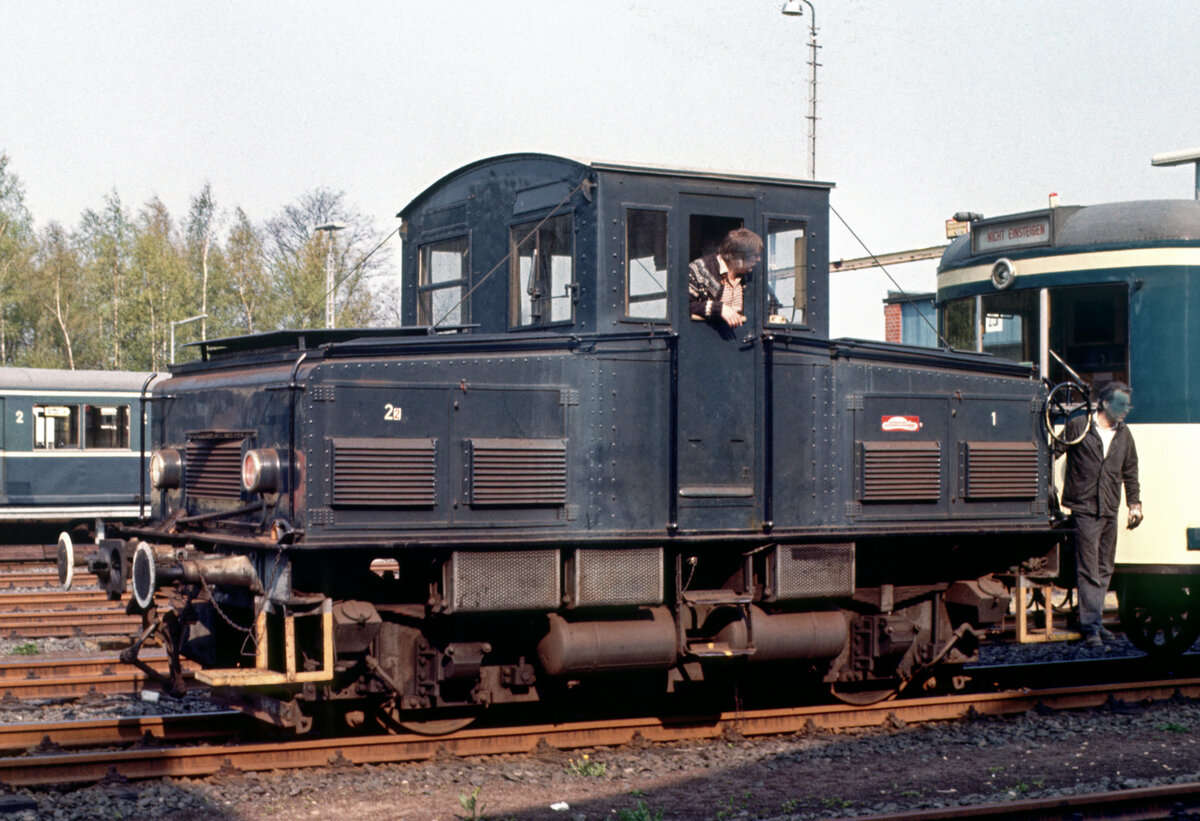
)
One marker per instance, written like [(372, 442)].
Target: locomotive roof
[(53, 379), (614, 167), (1112, 224)]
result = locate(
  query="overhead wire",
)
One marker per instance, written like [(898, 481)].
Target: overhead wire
[(883, 268)]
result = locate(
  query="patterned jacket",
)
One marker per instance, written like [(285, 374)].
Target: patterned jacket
[(704, 288)]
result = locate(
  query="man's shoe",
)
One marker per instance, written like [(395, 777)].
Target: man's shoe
[(1093, 640), (1106, 634)]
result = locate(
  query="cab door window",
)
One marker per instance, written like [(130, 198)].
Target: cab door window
[(1089, 328), (542, 278)]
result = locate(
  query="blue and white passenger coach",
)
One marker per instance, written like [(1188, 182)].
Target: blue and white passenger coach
[(1114, 291), (70, 447)]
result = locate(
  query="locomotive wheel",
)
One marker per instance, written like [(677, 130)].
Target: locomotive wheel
[(865, 693), (448, 722), (1160, 615), (1066, 401), (438, 726)]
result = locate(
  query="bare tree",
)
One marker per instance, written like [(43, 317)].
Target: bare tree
[(297, 256), (59, 272), (247, 268), (202, 224), (106, 237)]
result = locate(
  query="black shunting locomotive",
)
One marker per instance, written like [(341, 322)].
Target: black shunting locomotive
[(555, 471)]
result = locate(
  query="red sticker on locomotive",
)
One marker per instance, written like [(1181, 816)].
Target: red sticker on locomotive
[(903, 424)]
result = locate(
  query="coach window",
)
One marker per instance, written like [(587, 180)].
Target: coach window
[(442, 290), (106, 426), (787, 266), (645, 264), (55, 426), (542, 279)]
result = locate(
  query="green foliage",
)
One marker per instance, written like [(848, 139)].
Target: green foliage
[(105, 293), (586, 768), (1173, 727), (640, 813), (28, 648), (472, 805)]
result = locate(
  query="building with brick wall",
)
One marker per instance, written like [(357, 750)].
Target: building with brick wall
[(905, 316)]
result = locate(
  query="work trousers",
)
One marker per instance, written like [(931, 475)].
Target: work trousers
[(1095, 551)]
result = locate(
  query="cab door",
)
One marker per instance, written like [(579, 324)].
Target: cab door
[(716, 381)]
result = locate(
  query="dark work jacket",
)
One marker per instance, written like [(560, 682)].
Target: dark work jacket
[(1093, 482)]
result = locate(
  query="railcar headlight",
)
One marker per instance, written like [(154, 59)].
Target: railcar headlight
[(260, 470), (166, 468)]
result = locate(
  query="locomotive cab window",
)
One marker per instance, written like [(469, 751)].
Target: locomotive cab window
[(443, 280), (106, 426), (787, 264), (542, 280), (55, 426), (645, 264)]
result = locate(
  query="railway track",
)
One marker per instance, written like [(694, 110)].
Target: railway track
[(1169, 801), (196, 760), (42, 578), (57, 678), (65, 623)]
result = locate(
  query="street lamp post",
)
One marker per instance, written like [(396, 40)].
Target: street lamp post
[(330, 285), (1181, 158), (792, 8), (195, 318)]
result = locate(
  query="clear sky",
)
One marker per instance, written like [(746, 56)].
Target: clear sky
[(926, 108)]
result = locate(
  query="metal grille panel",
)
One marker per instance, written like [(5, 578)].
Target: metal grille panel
[(214, 468), (503, 580), (378, 472), (811, 571), (901, 472), (617, 577), (1001, 470), (516, 472)]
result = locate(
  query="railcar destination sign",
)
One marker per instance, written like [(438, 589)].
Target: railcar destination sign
[(1021, 232)]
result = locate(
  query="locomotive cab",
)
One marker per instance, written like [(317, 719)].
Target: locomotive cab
[(554, 473)]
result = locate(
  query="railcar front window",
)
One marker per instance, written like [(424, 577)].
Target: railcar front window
[(787, 264), (958, 323), (444, 276), (106, 426), (55, 426), (1010, 326), (646, 264), (543, 272)]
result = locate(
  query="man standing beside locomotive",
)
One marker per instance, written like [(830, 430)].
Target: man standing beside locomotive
[(716, 281), (1097, 466)]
